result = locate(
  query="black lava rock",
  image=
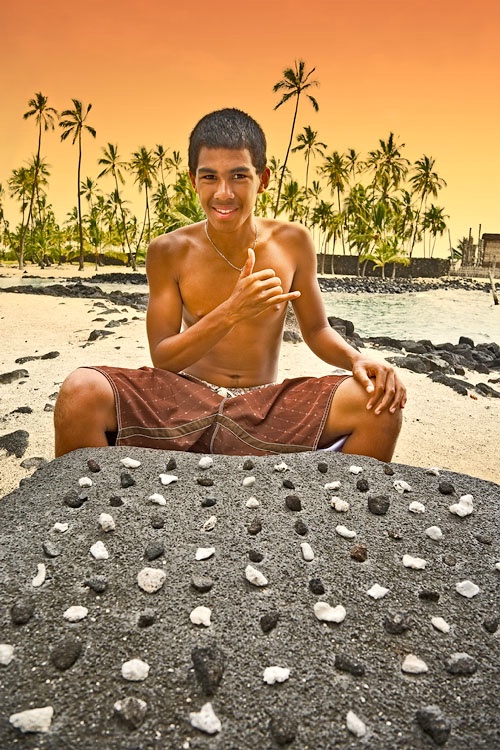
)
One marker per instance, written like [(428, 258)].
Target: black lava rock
[(292, 502), (154, 550), (288, 484), (248, 465), (132, 711), (269, 621), (171, 464), (97, 583), (362, 485), (157, 521), (73, 499), (15, 443), (433, 722), (316, 586), (22, 611), (346, 664), (491, 624), (202, 583), (146, 618), (93, 466), (461, 664), (446, 488), (50, 549), (322, 467), (388, 470), (115, 501), (300, 527), (126, 480), (208, 665), (283, 730), (359, 552), (255, 527), (205, 481), (11, 377), (208, 502), (428, 596), (397, 623), (378, 504), (64, 654), (255, 556)]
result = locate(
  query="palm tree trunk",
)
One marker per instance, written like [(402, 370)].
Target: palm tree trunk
[(80, 225), (24, 227), (286, 156)]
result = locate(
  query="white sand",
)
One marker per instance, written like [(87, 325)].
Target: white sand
[(441, 428)]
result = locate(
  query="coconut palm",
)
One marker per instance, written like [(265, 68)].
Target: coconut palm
[(336, 171), (352, 161), (435, 222), (292, 200), (44, 117), (113, 165), (295, 81), (425, 182), (308, 142), (143, 166), (73, 123), (90, 191), (174, 162), (389, 167)]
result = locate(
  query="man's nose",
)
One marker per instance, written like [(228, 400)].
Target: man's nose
[(224, 190)]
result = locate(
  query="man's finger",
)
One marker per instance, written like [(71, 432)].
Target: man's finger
[(249, 264)]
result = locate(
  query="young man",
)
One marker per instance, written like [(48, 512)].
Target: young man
[(219, 291)]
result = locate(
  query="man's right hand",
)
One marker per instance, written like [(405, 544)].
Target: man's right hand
[(257, 291)]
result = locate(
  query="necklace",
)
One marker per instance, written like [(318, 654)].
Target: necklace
[(222, 254)]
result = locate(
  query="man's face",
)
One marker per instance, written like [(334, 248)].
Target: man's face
[(227, 184)]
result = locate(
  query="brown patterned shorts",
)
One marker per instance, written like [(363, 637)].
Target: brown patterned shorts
[(160, 409)]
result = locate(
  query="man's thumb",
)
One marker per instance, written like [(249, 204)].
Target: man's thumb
[(249, 264)]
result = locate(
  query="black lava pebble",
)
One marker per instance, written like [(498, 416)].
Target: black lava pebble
[(115, 501), (205, 481), (126, 480), (378, 504), (362, 485), (208, 665), (359, 552), (248, 465), (146, 618), (22, 611), (292, 502), (99, 584), (255, 556), (433, 722), (154, 550), (283, 730), (446, 488), (73, 499), (491, 624), (255, 527), (171, 464), (208, 502), (64, 654), (428, 595), (132, 711), (157, 521), (50, 549), (202, 583), (316, 586), (288, 484), (388, 470), (461, 664), (396, 623), (269, 621), (346, 664), (322, 467), (300, 527), (93, 466)]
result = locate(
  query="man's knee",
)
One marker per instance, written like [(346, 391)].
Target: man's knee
[(84, 389)]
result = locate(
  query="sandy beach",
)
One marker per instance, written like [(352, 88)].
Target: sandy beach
[(441, 428)]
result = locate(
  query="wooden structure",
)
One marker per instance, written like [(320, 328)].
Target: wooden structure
[(490, 251)]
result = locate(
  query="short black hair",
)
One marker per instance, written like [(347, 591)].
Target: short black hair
[(228, 128)]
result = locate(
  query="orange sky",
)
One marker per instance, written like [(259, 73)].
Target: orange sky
[(428, 70)]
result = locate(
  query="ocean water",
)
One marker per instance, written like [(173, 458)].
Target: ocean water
[(438, 315)]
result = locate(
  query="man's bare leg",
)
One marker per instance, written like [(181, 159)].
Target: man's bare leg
[(370, 434), (84, 412)]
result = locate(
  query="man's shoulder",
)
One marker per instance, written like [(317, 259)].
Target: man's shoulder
[(173, 242), (285, 231)]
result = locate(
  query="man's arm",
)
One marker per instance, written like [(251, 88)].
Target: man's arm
[(175, 349), (378, 378)]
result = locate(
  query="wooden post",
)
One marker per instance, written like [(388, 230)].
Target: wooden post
[(492, 282)]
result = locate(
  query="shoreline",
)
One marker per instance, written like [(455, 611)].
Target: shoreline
[(441, 427)]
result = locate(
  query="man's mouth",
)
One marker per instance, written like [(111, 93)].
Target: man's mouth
[(223, 211)]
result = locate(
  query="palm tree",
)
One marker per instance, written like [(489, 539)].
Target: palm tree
[(292, 200), (174, 162), (390, 168), (308, 142), (73, 122), (44, 117), (336, 171), (434, 221), (352, 161), (295, 81), (424, 181), (89, 190), (112, 165), (142, 164)]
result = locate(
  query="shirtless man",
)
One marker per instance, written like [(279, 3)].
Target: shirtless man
[(219, 291)]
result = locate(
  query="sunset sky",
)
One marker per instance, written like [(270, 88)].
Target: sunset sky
[(428, 70)]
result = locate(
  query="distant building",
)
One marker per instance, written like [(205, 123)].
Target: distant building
[(490, 250)]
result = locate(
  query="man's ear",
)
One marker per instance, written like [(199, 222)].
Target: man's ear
[(264, 179), (192, 177)]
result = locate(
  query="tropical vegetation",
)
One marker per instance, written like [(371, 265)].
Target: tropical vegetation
[(377, 207)]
